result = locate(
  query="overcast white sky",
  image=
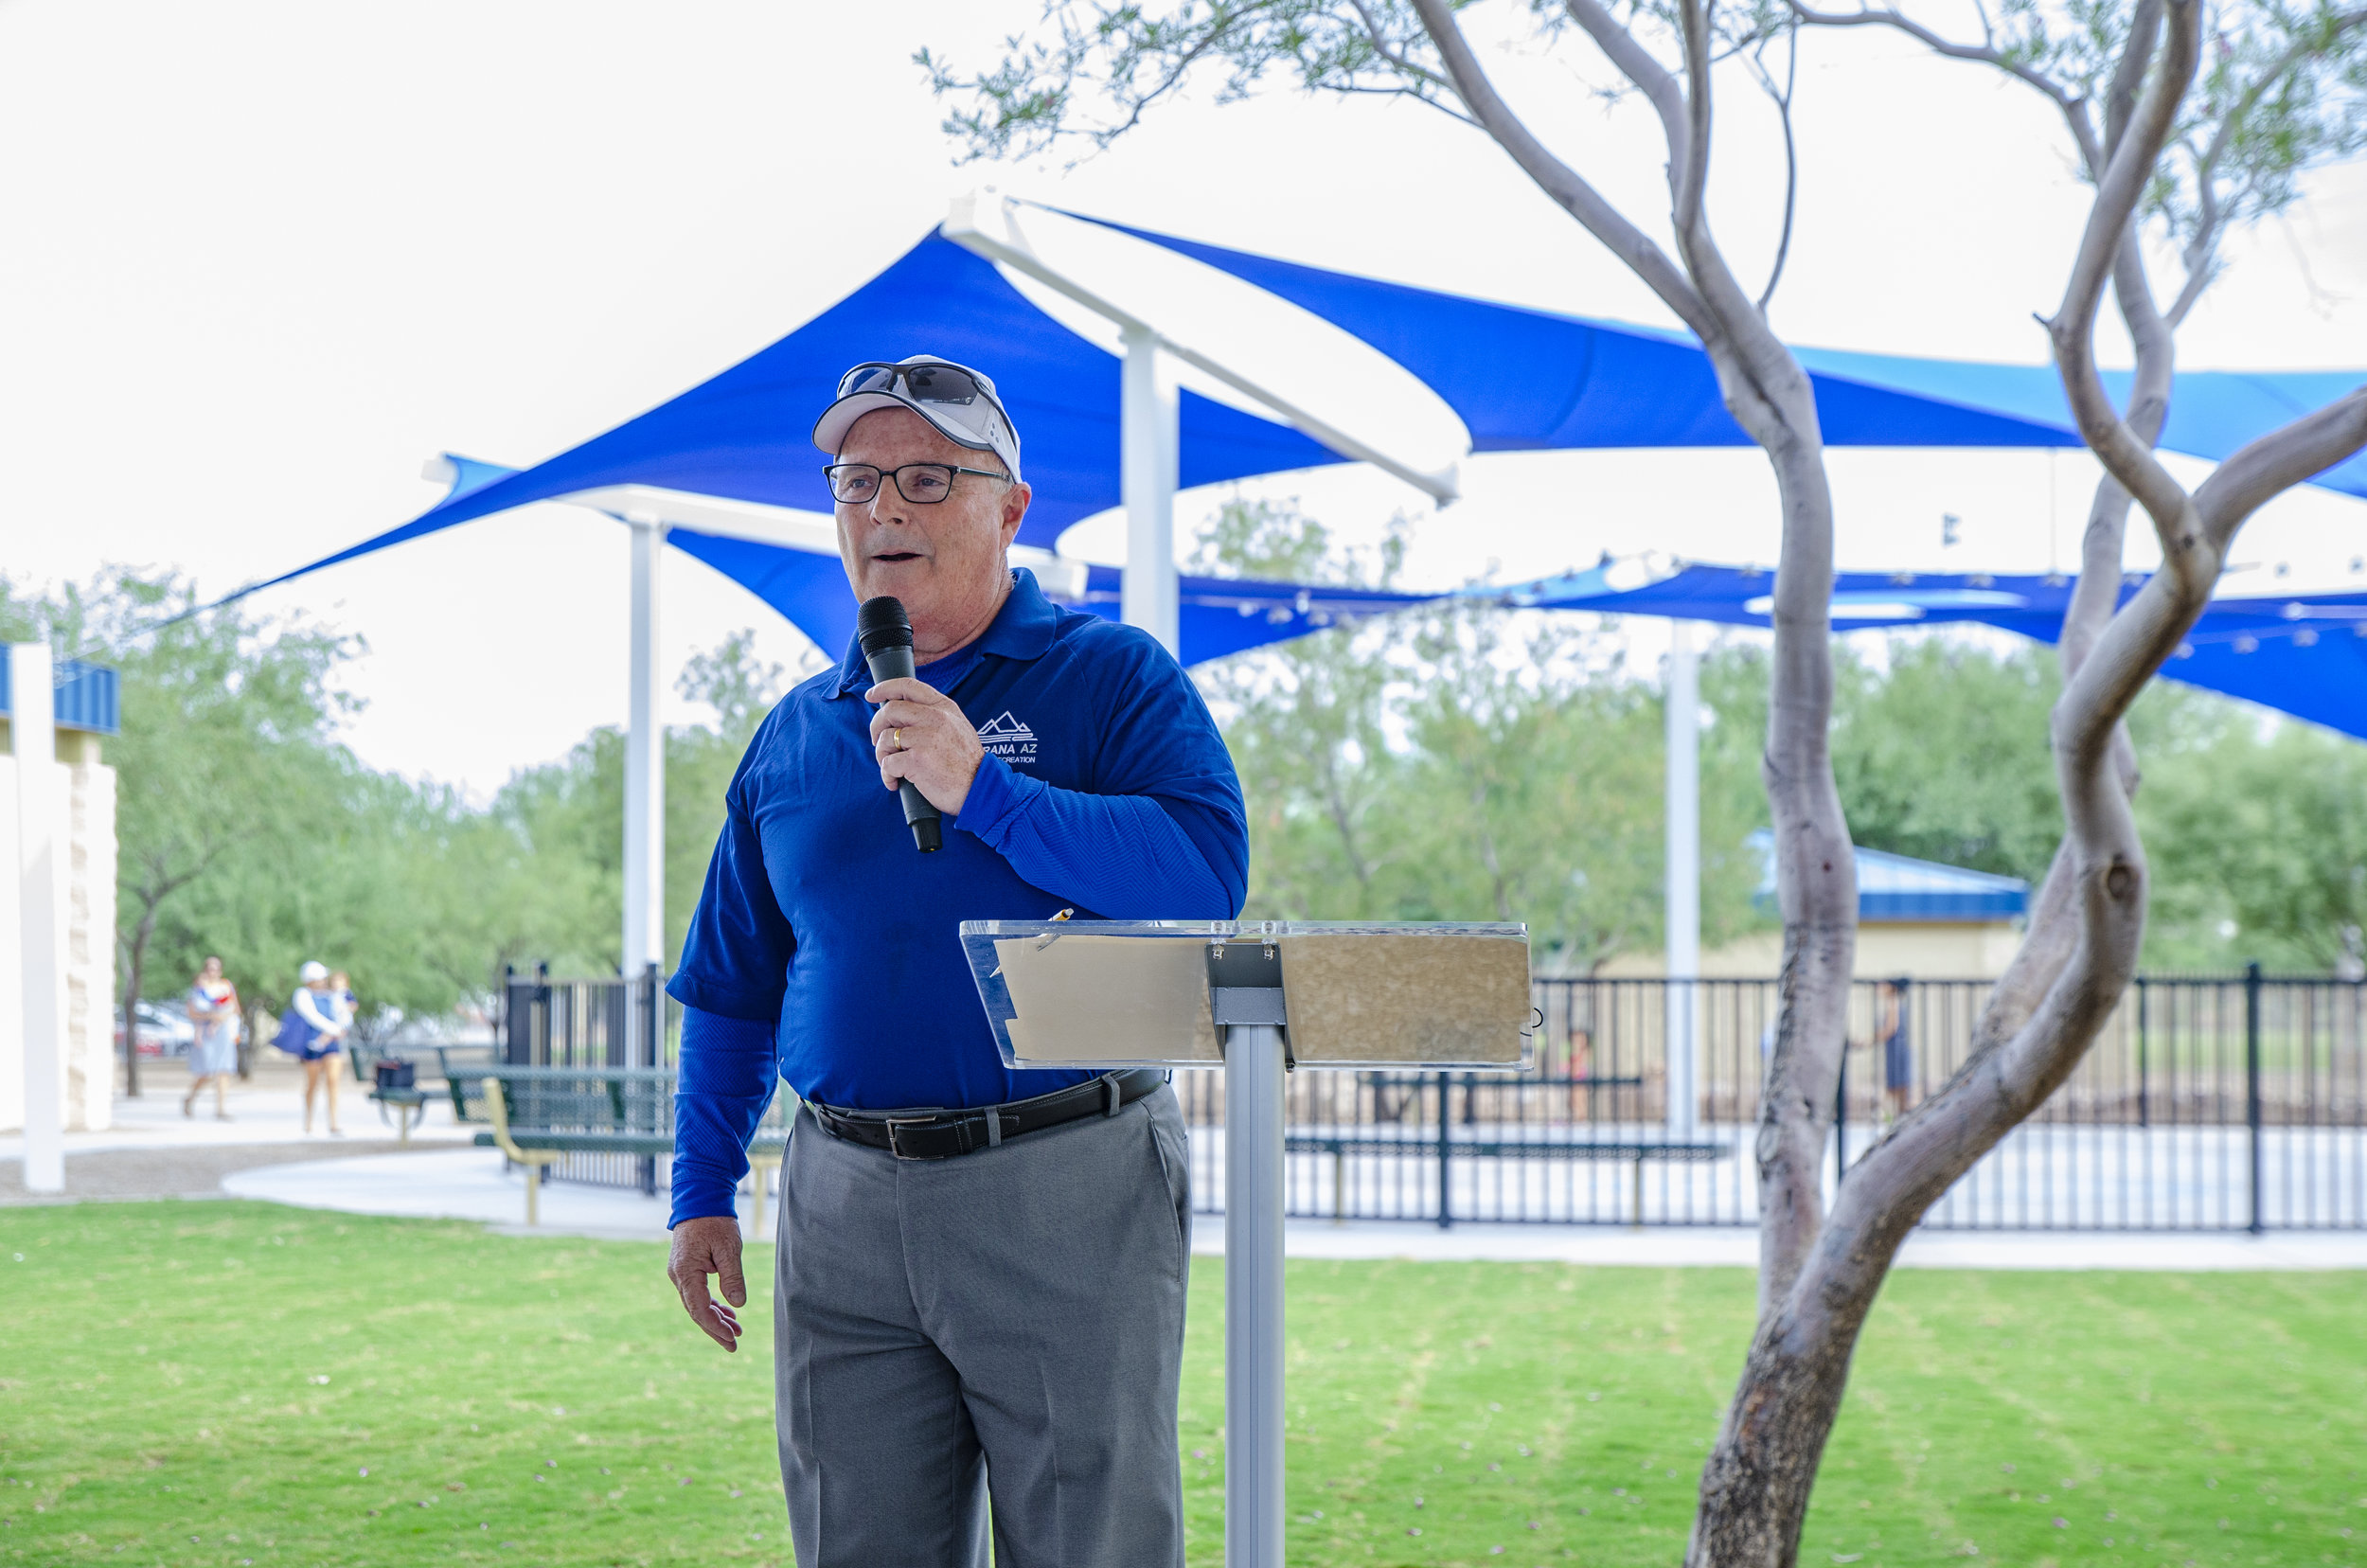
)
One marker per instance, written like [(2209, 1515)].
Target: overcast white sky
[(263, 259)]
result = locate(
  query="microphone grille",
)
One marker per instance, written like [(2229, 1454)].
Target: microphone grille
[(881, 623)]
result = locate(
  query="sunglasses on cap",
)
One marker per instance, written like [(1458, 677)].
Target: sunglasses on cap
[(926, 382)]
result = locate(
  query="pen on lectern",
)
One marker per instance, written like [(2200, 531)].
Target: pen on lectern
[(1050, 936)]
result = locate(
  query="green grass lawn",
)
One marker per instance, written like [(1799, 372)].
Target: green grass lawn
[(219, 1383)]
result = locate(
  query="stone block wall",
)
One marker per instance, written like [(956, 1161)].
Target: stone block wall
[(86, 847)]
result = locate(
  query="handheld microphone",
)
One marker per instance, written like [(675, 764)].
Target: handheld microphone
[(886, 635)]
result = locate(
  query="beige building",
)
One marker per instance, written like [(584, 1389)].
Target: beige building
[(80, 903), (1916, 919)]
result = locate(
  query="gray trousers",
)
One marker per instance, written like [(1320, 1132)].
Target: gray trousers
[(1006, 1325)]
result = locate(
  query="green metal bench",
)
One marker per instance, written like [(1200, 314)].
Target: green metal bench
[(452, 1061), (537, 1116)]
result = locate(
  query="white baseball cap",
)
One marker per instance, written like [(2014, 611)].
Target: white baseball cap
[(311, 973), (959, 401)]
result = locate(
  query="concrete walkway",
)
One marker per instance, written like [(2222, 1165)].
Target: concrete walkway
[(470, 1184), (268, 1108), (265, 1153)]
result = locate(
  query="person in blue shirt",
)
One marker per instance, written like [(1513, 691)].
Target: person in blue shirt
[(981, 1270)]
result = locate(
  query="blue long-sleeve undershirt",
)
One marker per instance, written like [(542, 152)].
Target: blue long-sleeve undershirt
[(726, 1078), (1123, 857)]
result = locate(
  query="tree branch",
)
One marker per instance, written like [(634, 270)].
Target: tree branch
[(1654, 81), (1658, 272), (2118, 189), (1791, 154), (1399, 57), (2128, 79), (1689, 155), (1764, 386), (2276, 462)]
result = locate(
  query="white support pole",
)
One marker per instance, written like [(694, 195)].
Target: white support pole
[(1684, 918), (645, 764), (1252, 1296), (41, 855), (1147, 439)]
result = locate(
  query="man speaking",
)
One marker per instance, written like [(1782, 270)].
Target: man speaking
[(981, 1270)]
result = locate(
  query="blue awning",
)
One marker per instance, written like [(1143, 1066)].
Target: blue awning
[(85, 696), (1897, 889)]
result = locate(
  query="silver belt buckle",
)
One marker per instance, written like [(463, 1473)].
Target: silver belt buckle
[(895, 1122)]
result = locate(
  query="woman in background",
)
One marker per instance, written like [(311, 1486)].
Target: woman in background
[(213, 1008), (314, 1003)]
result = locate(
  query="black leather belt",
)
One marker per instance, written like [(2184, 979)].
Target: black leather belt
[(942, 1135)]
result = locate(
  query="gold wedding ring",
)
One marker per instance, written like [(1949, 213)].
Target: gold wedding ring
[(897, 736)]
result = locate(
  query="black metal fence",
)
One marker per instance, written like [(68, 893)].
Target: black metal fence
[(2208, 1103), (612, 1021)]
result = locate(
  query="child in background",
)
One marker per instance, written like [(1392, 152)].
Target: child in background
[(213, 1008)]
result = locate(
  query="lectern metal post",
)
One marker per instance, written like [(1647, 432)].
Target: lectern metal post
[(1264, 997), (1252, 1296)]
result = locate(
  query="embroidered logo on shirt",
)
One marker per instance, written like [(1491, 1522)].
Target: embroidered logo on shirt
[(1008, 739)]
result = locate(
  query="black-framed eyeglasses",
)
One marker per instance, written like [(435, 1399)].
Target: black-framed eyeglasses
[(922, 484)]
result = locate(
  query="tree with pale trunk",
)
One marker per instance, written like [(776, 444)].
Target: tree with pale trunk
[(1096, 74)]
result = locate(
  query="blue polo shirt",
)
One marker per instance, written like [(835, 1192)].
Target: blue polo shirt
[(1105, 787)]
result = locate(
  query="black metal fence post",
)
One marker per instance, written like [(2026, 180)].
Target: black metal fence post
[(1446, 1158), (1841, 1118), (2145, 1087), (2251, 1084)]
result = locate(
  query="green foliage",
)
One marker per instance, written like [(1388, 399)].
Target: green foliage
[(2255, 828), (1099, 67), (2258, 848), (228, 774), (1423, 766), (568, 817), (247, 830), (2282, 90), (1944, 755), (165, 1365), (1094, 69)]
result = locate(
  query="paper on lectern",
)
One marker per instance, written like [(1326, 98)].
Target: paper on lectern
[(1091, 999), (1379, 997)]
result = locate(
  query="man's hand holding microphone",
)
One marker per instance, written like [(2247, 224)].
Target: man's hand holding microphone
[(926, 748)]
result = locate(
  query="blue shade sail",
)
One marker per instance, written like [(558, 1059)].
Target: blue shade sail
[(745, 435), (2302, 654), (1522, 380), (1526, 380), (1215, 615)]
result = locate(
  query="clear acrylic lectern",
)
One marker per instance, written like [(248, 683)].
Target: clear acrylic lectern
[(1258, 999)]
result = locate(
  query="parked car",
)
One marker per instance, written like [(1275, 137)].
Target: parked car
[(165, 1031)]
